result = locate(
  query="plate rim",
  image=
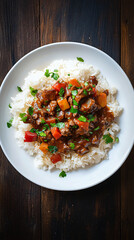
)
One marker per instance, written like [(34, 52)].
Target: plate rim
[(3, 83)]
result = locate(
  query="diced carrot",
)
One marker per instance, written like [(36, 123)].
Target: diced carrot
[(50, 120), (84, 125), (44, 147), (55, 158), (102, 99), (63, 104), (74, 82), (57, 86), (56, 132)]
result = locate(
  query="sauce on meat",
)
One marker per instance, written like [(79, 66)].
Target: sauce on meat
[(70, 117)]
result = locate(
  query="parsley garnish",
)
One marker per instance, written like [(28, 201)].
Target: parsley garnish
[(80, 59), (23, 117), (9, 124), (9, 105), (52, 149), (46, 126), (117, 139), (62, 174), (93, 85), (82, 119), (69, 86), (107, 138), (61, 92), (85, 92), (60, 125), (73, 110), (75, 103), (91, 118), (68, 74), (42, 121), (30, 110), (42, 134), (97, 128), (19, 89), (89, 89), (74, 92), (53, 124), (86, 83), (33, 91), (72, 145), (47, 73)]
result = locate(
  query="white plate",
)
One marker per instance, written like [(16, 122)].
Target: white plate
[(82, 178)]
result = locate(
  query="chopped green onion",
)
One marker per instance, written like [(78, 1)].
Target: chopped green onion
[(75, 103), (55, 70), (60, 125), (69, 86), (9, 105), (72, 145), (73, 110), (33, 91), (9, 124), (74, 92), (93, 85), (108, 138), (85, 92), (86, 83), (52, 149), (30, 110), (61, 92), (68, 74), (42, 134), (42, 121), (82, 119), (117, 139), (89, 89), (62, 174), (80, 59), (47, 73), (19, 89), (97, 128), (23, 117)]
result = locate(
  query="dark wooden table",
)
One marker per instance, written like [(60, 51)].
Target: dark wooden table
[(105, 211)]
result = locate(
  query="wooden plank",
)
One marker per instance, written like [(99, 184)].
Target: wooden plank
[(93, 213), (19, 198), (127, 175)]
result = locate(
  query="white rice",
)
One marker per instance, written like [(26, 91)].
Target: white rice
[(23, 100)]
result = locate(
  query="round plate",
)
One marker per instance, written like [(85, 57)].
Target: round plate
[(81, 178)]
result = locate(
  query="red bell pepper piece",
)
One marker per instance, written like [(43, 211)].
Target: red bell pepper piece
[(55, 158), (30, 137), (56, 132), (57, 86)]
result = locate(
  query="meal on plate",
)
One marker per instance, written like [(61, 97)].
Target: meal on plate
[(66, 115)]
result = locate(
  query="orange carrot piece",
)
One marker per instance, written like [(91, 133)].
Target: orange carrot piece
[(102, 99), (56, 132), (84, 125), (74, 82), (63, 104), (44, 147)]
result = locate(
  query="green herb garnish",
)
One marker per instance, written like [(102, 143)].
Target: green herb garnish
[(80, 59), (55, 76), (86, 83), (23, 117), (75, 103), (108, 138), (62, 174), (74, 92), (91, 118), (46, 126), (68, 74), (52, 149), (42, 121), (85, 92), (53, 124), (61, 92), (9, 105), (42, 134), (72, 145), (33, 91), (33, 130), (75, 126), (30, 110), (82, 119), (19, 89), (97, 128), (89, 89), (69, 86), (55, 70), (47, 73), (60, 125), (73, 110), (93, 85), (117, 139), (9, 124)]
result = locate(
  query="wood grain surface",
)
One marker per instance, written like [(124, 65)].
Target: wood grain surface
[(105, 211)]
